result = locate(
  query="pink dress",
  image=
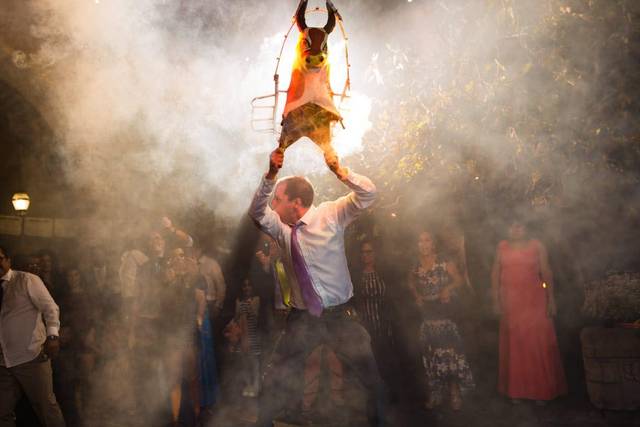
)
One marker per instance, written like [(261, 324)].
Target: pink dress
[(530, 363)]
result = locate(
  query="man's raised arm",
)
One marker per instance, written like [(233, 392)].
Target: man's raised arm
[(362, 196), (259, 210)]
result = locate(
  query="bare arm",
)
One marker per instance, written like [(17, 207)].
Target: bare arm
[(547, 278), (411, 283), (219, 284), (455, 281), (201, 303), (495, 283), (182, 235), (454, 276)]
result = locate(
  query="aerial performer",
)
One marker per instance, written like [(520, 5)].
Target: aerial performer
[(309, 110)]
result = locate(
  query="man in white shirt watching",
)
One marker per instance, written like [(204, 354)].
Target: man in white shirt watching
[(26, 345), (311, 240)]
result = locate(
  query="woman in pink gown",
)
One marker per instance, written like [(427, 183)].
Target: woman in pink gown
[(522, 284)]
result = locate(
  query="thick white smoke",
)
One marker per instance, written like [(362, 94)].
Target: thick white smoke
[(147, 94)]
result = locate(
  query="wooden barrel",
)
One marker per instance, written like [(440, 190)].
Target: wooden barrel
[(612, 367)]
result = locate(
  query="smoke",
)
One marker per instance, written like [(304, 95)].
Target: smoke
[(151, 100), (156, 95), (460, 112)]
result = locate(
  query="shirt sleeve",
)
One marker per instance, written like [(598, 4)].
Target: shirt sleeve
[(42, 299), (261, 213), (362, 196)]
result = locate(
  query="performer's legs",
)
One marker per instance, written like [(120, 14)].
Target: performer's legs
[(314, 364), (321, 135), (287, 138), (313, 122), (352, 344), (336, 375), (295, 126), (281, 382), (312, 370)]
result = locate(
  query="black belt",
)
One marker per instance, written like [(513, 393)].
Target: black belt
[(337, 308), (334, 309)]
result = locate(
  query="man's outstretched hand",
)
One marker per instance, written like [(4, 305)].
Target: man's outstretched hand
[(334, 165), (276, 160)]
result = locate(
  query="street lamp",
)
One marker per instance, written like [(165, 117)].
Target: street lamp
[(21, 203)]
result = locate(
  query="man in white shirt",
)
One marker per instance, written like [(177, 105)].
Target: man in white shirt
[(26, 344), (311, 240)]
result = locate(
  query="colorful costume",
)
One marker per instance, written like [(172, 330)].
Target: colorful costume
[(310, 110)]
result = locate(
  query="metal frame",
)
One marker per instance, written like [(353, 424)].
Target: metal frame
[(255, 102)]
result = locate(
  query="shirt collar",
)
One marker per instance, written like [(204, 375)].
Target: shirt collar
[(308, 216), (7, 276)]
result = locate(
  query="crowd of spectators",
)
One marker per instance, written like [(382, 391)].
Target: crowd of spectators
[(144, 335)]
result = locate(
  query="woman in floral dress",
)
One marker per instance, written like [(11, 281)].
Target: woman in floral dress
[(433, 283)]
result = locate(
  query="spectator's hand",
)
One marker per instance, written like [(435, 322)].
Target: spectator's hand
[(552, 309), (276, 160), (264, 260), (166, 223), (334, 165), (52, 347)]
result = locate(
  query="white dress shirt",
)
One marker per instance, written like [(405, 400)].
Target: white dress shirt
[(212, 273), (321, 238), (130, 263), (22, 332)]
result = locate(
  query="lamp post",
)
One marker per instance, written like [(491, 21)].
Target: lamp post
[(21, 203)]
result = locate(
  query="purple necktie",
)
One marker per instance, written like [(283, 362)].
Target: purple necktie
[(309, 295)]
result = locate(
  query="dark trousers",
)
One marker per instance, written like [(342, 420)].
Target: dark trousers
[(34, 379), (338, 329)]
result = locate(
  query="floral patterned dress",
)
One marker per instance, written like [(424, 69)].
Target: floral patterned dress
[(442, 350)]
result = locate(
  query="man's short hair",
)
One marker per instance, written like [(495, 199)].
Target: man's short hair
[(298, 187), (6, 252)]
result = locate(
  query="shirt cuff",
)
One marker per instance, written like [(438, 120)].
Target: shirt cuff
[(53, 330)]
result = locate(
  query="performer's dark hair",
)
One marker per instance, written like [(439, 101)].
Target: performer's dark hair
[(370, 241), (5, 252), (298, 187)]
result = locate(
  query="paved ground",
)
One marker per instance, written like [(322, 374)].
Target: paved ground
[(492, 411)]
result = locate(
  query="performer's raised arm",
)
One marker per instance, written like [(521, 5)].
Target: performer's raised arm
[(363, 195), (259, 211)]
